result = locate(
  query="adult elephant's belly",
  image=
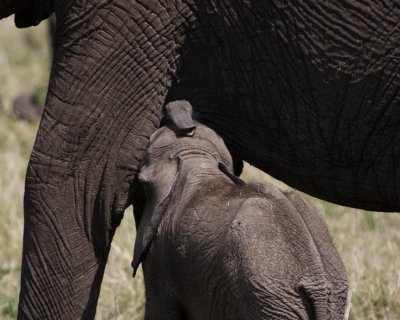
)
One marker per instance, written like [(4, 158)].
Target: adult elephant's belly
[(311, 97)]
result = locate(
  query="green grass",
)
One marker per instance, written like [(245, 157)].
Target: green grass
[(368, 242)]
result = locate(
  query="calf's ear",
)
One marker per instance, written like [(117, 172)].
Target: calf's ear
[(178, 114), (149, 225)]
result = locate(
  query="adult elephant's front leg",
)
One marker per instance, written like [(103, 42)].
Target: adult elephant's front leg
[(61, 270), (109, 80), (71, 212), (73, 203)]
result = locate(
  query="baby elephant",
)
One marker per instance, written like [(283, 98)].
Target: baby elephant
[(213, 247)]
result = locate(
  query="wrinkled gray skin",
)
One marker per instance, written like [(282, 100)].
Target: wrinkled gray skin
[(306, 90), (228, 251)]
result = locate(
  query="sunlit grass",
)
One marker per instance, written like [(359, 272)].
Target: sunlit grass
[(23, 65), (369, 243)]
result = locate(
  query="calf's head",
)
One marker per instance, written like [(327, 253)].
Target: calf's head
[(176, 150), (180, 144)]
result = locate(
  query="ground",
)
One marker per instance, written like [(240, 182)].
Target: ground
[(368, 242)]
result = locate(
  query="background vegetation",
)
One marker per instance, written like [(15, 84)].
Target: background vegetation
[(368, 242)]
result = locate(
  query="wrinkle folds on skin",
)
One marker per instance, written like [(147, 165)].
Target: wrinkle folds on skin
[(313, 85)]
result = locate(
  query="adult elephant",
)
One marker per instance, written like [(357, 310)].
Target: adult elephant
[(305, 90)]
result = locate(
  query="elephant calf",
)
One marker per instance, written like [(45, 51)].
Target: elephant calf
[(214, 247)]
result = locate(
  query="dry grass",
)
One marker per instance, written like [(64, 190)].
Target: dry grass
[(369, 243), (22, 57)]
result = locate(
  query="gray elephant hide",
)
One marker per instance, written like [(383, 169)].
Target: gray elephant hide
[(213, 248)]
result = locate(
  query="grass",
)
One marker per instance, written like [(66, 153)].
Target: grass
[(368, 242)]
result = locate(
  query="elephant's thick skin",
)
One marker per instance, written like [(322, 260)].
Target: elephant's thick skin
[(307, 91)]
